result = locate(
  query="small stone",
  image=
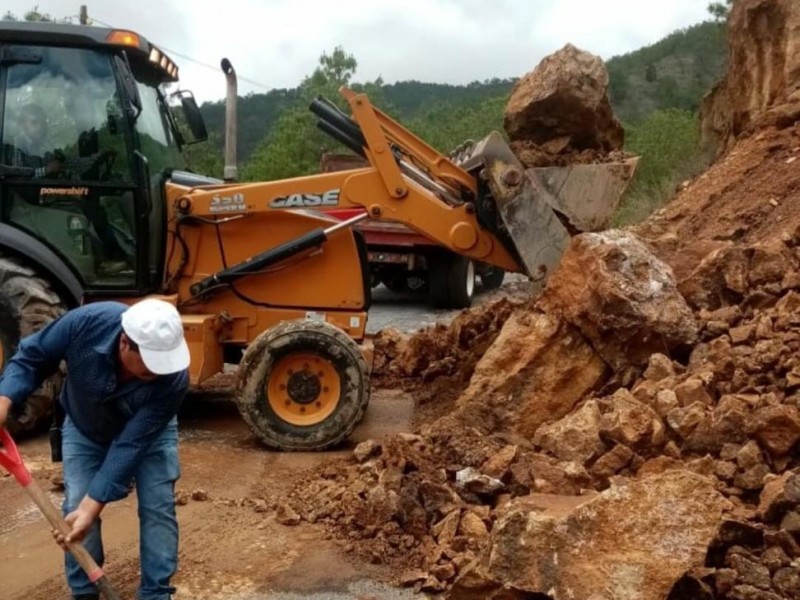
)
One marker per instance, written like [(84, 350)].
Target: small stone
[(199, 495), (791, 522), (765, 328), (749, 456), (472, 526), (777, 428), (612, 462), (445, 530), (792, 488), (742, 334), (260, 506), (785, 540), (753, 478), (729, 451), (775, 558), (716, 328), (666, 401), (433, 585), (474, 481), (497, 466), (286, 515), (750, 572), (725, 470), (693, 390), (409, 578), (724, 580), (787, 581), (659, 366), (672, 450), (444, 572), (366, 450), (749, 592), (182, 498), (772, 503), (685, 419)]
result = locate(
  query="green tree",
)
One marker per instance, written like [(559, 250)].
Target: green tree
[(668, 144), (35, 15), (720, 10), (295, 145), (651, 75)]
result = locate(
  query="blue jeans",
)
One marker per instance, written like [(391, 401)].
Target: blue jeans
[(155, 479)]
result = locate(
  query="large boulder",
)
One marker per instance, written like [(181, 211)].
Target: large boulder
[(621, 297), (632, 541), (563, 103), (535, 372)]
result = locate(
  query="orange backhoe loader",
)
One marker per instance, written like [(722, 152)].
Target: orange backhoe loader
[(261, 275)]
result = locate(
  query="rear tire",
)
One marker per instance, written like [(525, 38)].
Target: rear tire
[(27, 304), (303, 385)]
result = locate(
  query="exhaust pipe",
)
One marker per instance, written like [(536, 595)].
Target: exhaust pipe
[(230, 171)]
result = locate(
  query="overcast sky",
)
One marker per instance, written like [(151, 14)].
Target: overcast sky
[(276, 43)]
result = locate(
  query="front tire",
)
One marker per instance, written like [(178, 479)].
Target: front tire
[(492, 277), (27, 304), (303, 385)]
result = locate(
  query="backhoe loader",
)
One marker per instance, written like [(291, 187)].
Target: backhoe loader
[(102, 209)]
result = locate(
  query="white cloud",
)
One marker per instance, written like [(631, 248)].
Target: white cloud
[(277, 43)]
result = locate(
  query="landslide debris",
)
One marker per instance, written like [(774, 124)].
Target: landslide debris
[(634, 431)]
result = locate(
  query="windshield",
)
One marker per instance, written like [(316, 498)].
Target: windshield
[(156, 135), (63, 117)]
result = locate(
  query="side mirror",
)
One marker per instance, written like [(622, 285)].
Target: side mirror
[(193, 116)]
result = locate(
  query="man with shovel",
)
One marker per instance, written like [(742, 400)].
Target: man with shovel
[(126, 378)]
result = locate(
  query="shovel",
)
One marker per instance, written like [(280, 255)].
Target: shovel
[(12, 461)]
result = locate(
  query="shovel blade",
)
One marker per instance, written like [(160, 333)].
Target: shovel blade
[(539, 208)]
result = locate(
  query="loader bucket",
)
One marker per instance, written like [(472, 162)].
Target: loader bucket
[(588, 195), (539, 208)]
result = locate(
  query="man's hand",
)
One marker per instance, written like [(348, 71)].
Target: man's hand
[(79, 521), (5, 406), (53, 167)]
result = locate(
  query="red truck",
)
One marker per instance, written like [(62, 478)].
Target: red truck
[(406, 261)]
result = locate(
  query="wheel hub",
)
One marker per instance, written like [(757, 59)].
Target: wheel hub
[(304, 387)]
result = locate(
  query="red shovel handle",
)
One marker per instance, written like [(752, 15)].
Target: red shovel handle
[(11, 460)]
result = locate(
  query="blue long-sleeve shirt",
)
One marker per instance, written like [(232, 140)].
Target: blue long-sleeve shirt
[(126, 416)]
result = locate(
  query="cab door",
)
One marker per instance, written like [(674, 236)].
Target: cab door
[(66, 172)]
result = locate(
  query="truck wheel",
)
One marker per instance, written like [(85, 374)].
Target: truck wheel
[(492, 277), (27, 303), (396, 283), (452, 280), (462, 282), (303, 385)]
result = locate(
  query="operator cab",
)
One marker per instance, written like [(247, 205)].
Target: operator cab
[(88, 139)]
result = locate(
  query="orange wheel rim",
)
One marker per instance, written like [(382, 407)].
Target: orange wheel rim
[(303, 389)]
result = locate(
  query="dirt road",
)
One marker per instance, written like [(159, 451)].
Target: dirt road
[(228, 549), (231, 545)]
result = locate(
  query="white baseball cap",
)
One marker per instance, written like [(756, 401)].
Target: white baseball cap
[(155, 326)]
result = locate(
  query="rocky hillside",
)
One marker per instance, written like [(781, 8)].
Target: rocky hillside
[(632, 434)]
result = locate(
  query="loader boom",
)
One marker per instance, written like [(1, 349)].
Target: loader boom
[(407, 181)]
